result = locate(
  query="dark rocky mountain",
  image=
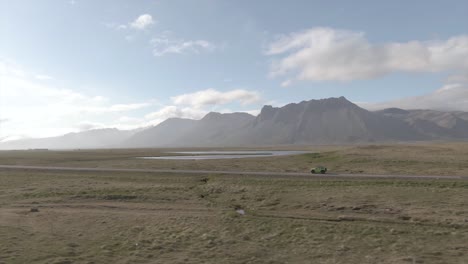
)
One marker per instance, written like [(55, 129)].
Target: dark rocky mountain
[(326, 121)]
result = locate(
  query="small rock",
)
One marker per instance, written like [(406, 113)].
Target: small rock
[(343, 248), (34, 210), (205, 180), (72, 245), (404, 217), (240, 211)]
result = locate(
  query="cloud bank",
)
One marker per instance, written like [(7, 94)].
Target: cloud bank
[(325, 54), (214, 97), (175, 111)]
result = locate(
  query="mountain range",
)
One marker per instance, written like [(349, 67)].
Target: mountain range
[(325, 121)]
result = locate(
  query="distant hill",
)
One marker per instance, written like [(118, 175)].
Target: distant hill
[(97, 138), (164, 134), (325, 121), (214, 129), (433, 124)]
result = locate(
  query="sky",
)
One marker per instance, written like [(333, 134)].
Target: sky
[(74, 65)]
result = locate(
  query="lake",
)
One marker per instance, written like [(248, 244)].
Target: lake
[(206, 155)]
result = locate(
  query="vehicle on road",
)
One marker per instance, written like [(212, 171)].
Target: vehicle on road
[(319, 169)]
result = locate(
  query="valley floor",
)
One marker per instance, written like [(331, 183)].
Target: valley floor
[(437, 159), (134, 217)]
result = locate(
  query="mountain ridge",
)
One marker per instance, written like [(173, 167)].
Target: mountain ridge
[(322, 121)]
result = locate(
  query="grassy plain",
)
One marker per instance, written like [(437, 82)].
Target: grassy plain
[(414, 159), (122, 217)]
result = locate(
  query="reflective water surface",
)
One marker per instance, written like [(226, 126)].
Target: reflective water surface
[(204, 155)]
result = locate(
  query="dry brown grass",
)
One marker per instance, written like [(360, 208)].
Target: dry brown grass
[(104, 217), (92, 217)]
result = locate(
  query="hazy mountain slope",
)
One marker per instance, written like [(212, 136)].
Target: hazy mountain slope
[(462, 115), (432, 123), (216, 129), (96, 138), (163, 134)]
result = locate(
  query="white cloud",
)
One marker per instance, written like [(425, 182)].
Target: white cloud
[(453, 96), (327, 54), (286, 83), (166, 44), (214, 97), (175, 111), (142, 22)]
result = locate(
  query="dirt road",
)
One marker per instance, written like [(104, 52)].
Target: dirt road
[(257, 173)]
